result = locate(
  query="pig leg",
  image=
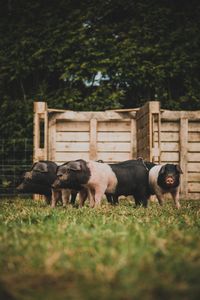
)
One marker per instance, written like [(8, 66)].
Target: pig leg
[(82, 197), (175, 195), (109, 198), (73, 197), (48, 200), (65, 196), (55, 197), (115, 200), (98, 196), (159, 195)]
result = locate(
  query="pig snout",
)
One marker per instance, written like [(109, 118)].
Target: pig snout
[(169, 180)]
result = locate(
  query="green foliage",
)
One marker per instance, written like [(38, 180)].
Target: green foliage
[(144, 50), (106, 253)]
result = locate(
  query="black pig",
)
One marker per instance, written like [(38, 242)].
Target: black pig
[(165, 179), (39, 180)]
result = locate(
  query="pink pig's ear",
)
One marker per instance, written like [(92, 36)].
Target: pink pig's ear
[(178, 168)]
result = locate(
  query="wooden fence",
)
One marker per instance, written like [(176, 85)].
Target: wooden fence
[(155, 134)]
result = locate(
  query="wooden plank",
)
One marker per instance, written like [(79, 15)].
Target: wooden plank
[(194, 187), (194, 136), (168, 137), (72, 136), (193, 196), (93, 139), (124, 126), (193, 177), (193, 167), (113, 156), (67, 156), (113, 137), (184, 154), (66, 126), (169, 146), (133, 143), (72, 147), (52, 139), (156, 146), (194, 157), (36, 136), (46, 135), (170, 126), (113, 147), (172, 157), (194, 146), (176, 115), (194, 126), (88, 115)]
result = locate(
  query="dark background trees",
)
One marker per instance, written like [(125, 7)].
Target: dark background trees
[(96, 55)]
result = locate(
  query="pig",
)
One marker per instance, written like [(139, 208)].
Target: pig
[(165, 179), (93, 177), (125, 178), (132, 176), (38, 181)]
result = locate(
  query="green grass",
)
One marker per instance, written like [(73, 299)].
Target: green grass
[(106, 253)]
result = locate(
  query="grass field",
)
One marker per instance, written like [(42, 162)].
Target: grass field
[(107, 253)]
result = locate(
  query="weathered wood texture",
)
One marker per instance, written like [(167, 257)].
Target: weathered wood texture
[(157, 135)]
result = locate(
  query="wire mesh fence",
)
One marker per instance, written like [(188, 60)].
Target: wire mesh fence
[(16, 157)]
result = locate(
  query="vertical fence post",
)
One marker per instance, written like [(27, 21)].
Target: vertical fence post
[(40, 115), (93, 139), (183, 138)]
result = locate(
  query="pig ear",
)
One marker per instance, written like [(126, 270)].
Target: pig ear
[(74, 165), (40, 167), (178, 168), (162, 170)]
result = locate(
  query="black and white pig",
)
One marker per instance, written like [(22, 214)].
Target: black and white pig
[(165, 179), (126, 178), (39, 180), (132, 176)]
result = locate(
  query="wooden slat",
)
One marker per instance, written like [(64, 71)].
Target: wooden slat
[(124, 126), (176, 115), (194, 187), (113, 136), (112, 156), (93, 139), (194, 136), (194, 126), (72, 136), (194, 157), (169, 146), (66, 126), (194, 146), (193, 167), (113, 147), (172, 157), (72, 147), (193, 177), (67, 156), (193, 196), (168, 127), (168, 137)]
